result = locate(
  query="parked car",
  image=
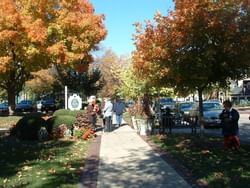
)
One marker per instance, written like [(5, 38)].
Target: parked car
[(211, 112), (167, 103), (48, 105), (184, 108), (25, 106), (4, 108)]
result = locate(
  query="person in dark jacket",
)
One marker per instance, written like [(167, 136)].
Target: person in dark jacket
[(230, 128)]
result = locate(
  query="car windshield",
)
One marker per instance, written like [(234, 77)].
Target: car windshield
[(48, 101), (186, 105), (166, 100), (3, 104), (25, 102), (212, 106)]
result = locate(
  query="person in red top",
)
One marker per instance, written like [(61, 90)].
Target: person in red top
[(230, 128), (92, 111)]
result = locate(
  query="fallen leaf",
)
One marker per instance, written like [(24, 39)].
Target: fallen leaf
[(205, 151), (27, 168), (52, 171), (5, 180)]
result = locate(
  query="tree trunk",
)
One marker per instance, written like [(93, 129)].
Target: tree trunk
[(200, 117), (11, 100)]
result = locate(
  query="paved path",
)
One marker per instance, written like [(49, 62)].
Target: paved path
[(128, 161)]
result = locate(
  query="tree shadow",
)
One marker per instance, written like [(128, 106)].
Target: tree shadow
[(15, 154)]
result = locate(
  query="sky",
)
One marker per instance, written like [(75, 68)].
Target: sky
[(120, 15)]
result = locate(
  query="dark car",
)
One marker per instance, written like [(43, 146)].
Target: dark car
[(211, 112), (48, 105), (25, 106), (4, 108)]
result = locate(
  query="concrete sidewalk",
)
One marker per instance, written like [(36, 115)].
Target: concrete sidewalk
[(126, 160)]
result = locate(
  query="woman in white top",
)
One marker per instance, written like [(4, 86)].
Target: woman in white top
[(107, 114)]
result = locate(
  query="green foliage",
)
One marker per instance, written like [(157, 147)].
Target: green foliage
[(87, 82), (27, 128), (67, 112), (134, 87), (131, 87), (54, 122)]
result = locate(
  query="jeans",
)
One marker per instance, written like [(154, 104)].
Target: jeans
[(118, 119), (108, 124)]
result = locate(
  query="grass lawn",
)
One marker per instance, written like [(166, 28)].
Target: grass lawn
[(41, 164), (206, 159), (7, 121)]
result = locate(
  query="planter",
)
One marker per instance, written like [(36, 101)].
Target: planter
[(144, 126), (134, 125)]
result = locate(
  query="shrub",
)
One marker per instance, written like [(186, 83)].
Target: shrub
[(28, 127), (60, 131), (67, 112), (54, 122)]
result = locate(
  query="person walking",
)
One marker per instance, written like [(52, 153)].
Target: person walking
[(107, 114), (119, 109), (92, 110), (230, 128), (102, 114)]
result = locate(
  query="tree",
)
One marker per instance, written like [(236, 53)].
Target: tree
[(200, 44), (86, 82), (111, 67), (35, 34), (43, 82), (131, 87)]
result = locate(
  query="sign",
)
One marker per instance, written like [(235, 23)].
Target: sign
[(75, 102)]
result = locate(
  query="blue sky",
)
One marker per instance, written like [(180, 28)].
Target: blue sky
[(120, 17)]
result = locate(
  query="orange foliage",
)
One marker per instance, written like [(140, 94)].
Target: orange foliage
[(195, 42), (35, 29), (37, 32), (82, 67)]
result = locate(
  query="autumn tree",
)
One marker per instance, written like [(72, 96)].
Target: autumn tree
[(36, 34), (42, 82), (198, 45), (111, 67)]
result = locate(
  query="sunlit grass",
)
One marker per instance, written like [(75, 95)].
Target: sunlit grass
[(8, 121)]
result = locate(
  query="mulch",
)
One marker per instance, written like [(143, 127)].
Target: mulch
[(90, 172)]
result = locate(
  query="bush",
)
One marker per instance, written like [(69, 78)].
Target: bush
[(54, 122), (67, 112), (28, 127)]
